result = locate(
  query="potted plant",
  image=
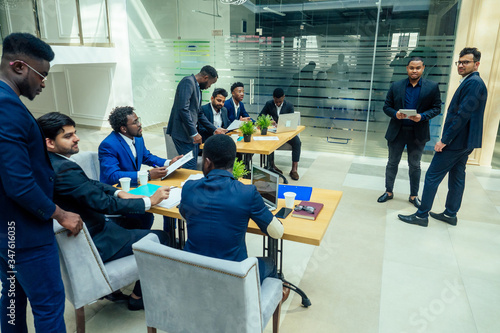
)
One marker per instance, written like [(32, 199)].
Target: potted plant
[(264, 121), (239, 169), (247, 129)]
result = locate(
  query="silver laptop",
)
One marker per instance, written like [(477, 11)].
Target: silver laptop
[(287, 122), (267, 183)]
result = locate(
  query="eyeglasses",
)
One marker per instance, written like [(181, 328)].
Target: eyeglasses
[(136, 122), (308, 209), (44, 78), (465, 62)]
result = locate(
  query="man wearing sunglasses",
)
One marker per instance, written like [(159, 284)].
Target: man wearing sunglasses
[(462, 132), (29, 260)]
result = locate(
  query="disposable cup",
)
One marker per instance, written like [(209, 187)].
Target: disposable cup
[(143, 177), (125, 183), (289, 199), (235, 137)]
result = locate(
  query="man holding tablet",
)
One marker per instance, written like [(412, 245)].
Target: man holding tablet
[(410, 103)]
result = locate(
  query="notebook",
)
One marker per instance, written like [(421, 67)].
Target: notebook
[(306, 215)]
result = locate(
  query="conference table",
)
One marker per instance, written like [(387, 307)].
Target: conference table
[(295, 229)]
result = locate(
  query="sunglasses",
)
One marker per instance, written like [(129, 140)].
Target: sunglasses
[(308, 209)]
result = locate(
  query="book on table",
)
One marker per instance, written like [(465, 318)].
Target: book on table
[(305, 213)]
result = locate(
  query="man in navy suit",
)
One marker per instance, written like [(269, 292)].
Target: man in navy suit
[(411, 132), (234, 105), (29, 259), (217, 209), (186, 113), (215, 112), (274, 108), (462, 132), (75, 192)]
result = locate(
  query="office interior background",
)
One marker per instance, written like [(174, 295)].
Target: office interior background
[(134, 52)]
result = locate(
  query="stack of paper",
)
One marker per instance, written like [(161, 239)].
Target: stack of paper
[(173, 199)]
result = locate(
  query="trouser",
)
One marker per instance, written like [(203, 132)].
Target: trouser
[(135, 221), (406, 137), (36, 276), (452, 162), (183, 148), (267, 268), (296, 148)]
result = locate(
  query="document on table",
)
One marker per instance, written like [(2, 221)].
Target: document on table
[(174, 198), (265, 138), (234, 125), (177, 164)]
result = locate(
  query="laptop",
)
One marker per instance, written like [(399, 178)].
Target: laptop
[(267, 183), (287, 122)]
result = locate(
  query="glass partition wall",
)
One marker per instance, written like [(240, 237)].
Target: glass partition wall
[(334, 59)]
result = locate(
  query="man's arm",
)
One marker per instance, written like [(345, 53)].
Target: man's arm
[(243, 112), (203, 121), (110, 166), (186, 89), (261, 215), (435, 96), (389, 104)]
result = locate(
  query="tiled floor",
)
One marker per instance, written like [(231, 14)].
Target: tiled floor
[(372, 273)]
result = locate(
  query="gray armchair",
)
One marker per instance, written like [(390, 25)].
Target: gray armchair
[(89, 162), (86, 278), (186, 292)]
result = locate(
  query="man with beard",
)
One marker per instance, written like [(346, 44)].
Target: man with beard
[(186, 113), (215, 112)]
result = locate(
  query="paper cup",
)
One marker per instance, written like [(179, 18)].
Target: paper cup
[(125, 183), (143, 177), (235, 137), (289, 199)]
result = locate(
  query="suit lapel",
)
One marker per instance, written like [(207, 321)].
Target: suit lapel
[(126, 148)]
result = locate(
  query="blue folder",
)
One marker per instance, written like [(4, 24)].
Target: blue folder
[(147, 190), (303, 192)]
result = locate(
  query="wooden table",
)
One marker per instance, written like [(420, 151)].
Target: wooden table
[(266, 147)]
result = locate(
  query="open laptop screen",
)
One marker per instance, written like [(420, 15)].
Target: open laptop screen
[(266, 183)]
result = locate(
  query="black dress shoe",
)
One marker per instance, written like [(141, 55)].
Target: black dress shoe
[(384, 197), (135, 304), (414, 219), (275, 168), (416, 202), (451, 220), (116, 296)]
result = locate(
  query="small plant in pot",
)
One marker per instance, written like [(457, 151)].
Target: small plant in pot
[(264, 121), (239, 170), (247, 129)]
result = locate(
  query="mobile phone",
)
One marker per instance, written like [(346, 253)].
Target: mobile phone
[(283, 213)]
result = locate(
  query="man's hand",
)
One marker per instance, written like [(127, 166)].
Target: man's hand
[(244, 118), (71, 221), (220, 131), (416, 118), (274, 123), (126, 195), (197, 138), (175, 159), (158, 172), (160, 195), (439, 147), (400, 115)]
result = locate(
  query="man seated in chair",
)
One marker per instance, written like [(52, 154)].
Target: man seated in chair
[(75, 192), (216, 113), (123, 152), (274, 108), (217, 209)]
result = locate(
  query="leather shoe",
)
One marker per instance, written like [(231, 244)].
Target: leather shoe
[(414, 219), (275, 168), (384, 197), (116, 296), (416, 202), (294, 175), (135, 304), (451, 220)]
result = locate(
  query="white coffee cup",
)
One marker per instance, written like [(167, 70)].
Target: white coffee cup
[(289, 199), (235, 137), (143, 177), (125, 183)]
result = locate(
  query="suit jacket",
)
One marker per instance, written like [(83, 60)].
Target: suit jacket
[(428, 105), (75, 192), (270, 109), (26, 177), (116, 159), (217, 209), (229, 105), (186, 112), (463, 127), (207, 110)]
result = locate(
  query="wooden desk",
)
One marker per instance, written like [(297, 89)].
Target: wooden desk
[(266, 147)]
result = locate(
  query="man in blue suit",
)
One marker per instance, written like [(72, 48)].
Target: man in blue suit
[(411, 132), (462, 132), (186, 113), (29, 260), (217, 209), (234, 105), (215, 112), (123, 152)]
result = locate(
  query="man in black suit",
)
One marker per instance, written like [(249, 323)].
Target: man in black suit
[(411, 132), (75, 192), (274, 108), (215, 112), (462, 132)]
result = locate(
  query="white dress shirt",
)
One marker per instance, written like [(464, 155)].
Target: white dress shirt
[(217, 117)]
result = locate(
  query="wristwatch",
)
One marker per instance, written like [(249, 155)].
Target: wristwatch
[(149, 175)]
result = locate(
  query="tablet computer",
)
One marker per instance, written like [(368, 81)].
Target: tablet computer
[(409, 112)]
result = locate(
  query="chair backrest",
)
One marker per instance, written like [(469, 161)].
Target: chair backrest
[(89, 162), (169, 143), (185, 292)]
